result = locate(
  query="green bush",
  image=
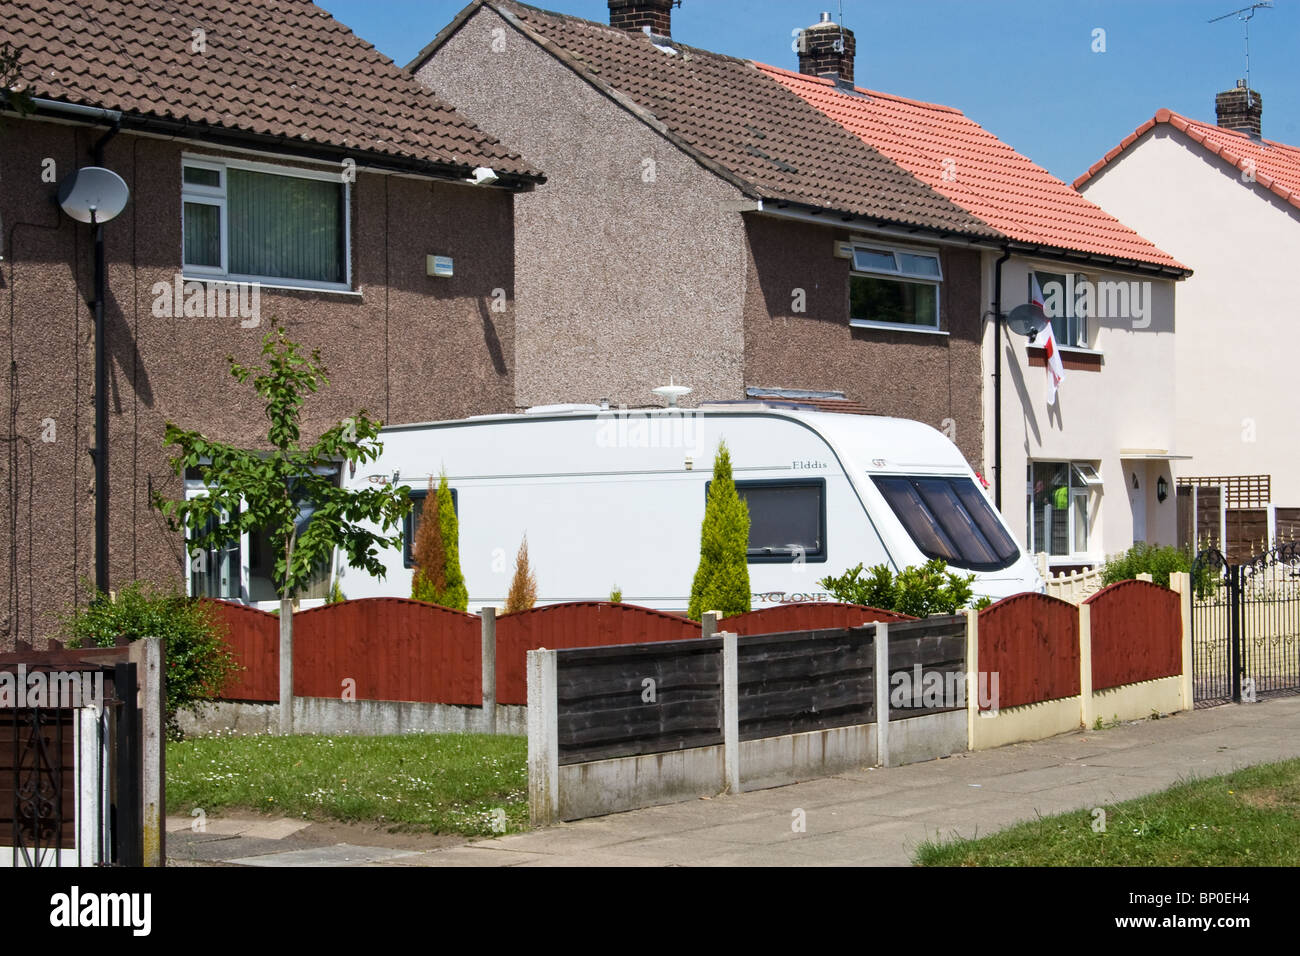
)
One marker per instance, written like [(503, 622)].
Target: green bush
[(918, 591), (722, 578), (198, 662), (1159, 562)]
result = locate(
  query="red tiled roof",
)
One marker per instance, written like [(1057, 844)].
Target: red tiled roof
[(284, 71), (734, 120), (1276, 166), (960, 159)]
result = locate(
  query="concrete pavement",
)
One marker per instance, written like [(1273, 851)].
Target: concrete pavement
[(872, 817)]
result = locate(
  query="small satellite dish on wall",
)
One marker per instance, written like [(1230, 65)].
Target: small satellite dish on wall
[(93, 194), (1027, 320)]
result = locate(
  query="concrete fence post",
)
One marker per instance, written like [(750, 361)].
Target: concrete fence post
[(972, 675), (1181, 582), (1086, 708), (489, 615), (543, 738), (1144, 576), (147, 655), (882, 693), (730, 712), (286, 666), (709, 623)]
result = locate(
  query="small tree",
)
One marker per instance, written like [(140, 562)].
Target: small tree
[(523, 589), (438, 578), (722, 578), (286, 491)]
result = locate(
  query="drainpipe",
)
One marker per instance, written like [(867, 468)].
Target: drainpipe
[(101, 392), (997, 378)]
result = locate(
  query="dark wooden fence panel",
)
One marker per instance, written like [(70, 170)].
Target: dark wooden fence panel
[(577, 624), (1136, 634), (807, 616), (1031, 641), (919, 649), (608, 708), (800, 682), (392, 648), (253, 637)]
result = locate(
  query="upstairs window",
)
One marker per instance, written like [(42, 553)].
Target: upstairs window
[(894, 287), (1062, 306), (253, 222)]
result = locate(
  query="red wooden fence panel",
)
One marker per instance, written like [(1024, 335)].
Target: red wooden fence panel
[(807, 616), (393, 648), (577, 624), (1136, 634), (1031, 641), (253, 637)]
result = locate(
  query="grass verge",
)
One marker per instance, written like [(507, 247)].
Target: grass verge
[(471, 784), (1250, 817)]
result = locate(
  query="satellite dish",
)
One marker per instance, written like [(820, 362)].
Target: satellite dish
[(671, 392), (93, 194), (1027, 320)]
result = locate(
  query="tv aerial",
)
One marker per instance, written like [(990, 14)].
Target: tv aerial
[(1027, 320), (1244, 15)]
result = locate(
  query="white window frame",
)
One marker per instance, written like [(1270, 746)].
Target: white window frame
[(197, 489), (1089, 329), (898, 274), (1086, 483), (216, 196)]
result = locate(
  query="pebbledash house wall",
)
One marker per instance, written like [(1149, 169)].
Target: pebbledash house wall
[(928, 377), (623, 283), (404, 346), (629, 269)]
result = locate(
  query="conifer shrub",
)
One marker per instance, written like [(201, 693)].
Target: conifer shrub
[(722, 578), (523, 588), (436, 552)]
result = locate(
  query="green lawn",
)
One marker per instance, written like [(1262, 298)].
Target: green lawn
[(471, 784), (1247, 818)]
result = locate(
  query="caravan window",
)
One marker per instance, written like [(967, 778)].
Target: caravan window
[(412, 523), (786, 519), (949, 518)]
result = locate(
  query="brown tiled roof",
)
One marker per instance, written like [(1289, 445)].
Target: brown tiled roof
[(734, 119), (278, 71)]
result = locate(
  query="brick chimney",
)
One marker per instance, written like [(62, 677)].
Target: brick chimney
[(632, 15), (826, 47), (1240, 110)]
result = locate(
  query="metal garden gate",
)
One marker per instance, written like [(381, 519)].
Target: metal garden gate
[(70, 764), (1246, 626)]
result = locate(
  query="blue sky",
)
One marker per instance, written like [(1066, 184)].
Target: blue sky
[(1024, 69)]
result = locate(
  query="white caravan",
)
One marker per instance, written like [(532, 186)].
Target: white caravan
[(614, 499)]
